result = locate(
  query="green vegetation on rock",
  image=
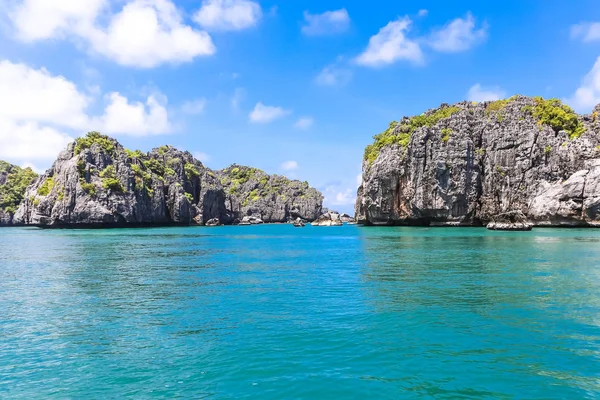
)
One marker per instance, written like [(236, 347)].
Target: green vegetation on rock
[(446, 132), (89, 188), (400, 133), (191, 171), (13, 191), (46, 187), (189, 197), (105, 142), (559, 116), (110, 181)]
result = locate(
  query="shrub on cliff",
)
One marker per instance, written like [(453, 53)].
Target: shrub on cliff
[(13, 190)]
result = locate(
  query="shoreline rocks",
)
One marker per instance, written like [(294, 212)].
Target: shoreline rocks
[(328, 219)]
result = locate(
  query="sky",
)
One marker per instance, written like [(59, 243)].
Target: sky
[(296, 88)]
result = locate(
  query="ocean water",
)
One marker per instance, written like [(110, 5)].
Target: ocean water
[(276, 312)]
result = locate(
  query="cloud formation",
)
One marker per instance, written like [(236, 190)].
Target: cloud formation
[(587, 96), (304, 123), (228, 15), (290, 166), (143, 33), (264, 114), (586, 31), (327, 23), (390, 44), (40, 113), (460, 34), (479, 93)]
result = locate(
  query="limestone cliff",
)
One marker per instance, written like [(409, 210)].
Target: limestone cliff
[(467, 163), (96, 182), (13, 183)]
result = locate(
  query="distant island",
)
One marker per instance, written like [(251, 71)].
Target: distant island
[(96, 182), (518, 161), (506, 164)]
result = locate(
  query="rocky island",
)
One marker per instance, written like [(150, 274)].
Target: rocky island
[(96, 182), (470, 164)]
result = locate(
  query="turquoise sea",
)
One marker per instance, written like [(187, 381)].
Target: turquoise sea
[(276, 312)]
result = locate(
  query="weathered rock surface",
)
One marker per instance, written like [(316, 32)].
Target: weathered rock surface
[(270, 198), (467, 163), (96, 182), (13, 184), (328, 219)]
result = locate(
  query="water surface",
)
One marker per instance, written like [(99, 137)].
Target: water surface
[(276, 312)]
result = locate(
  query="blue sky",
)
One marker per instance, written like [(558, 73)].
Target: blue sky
[(292, 87)]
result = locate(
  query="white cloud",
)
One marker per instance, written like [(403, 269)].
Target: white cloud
[(588, 94), (43, 19), (134, 119), (327, 23), (479, 93), (289, 166), (332, 75), (194, 107), (41, 112), (144, 33), (304, 123), (458, 35), (391, 45), (202, 156), (335, 196), (25, 142), (423, 13), (586, 31), (28, 94), (358, 179), (228, 15), (265, 114), (238, 96)]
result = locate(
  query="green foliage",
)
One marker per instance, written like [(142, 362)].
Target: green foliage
[(189, 197), (162, 150), (61, 194), (155, 166), (500, 170), (81, 166), (191, 171), (170, 172), (446, 132), (241, 175), (142, 178), (89, 188), (558, 116), (498, 105), (548, 149), (400, 133), (480, 151), (136, 154), (17, 181), (106, 143), (46, 187), (110, 181)]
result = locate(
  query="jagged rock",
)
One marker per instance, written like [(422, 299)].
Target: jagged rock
[(13, 184), (510, 221), (328, 219), (251, 220), (466, 163), (345, 218), (299, 223), (213, 222), (272, 198), (97, 182)]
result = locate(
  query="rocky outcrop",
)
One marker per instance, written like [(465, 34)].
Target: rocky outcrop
[(328, 219), (96, 182), (270, 198), (510, 221), (471, 162), (13, 184)]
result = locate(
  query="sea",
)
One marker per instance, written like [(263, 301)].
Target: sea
[(277, 312)]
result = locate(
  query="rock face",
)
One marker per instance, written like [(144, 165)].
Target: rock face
[(468, 163), (96, 182), (328, 219), (270, 198), (13, 183)]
